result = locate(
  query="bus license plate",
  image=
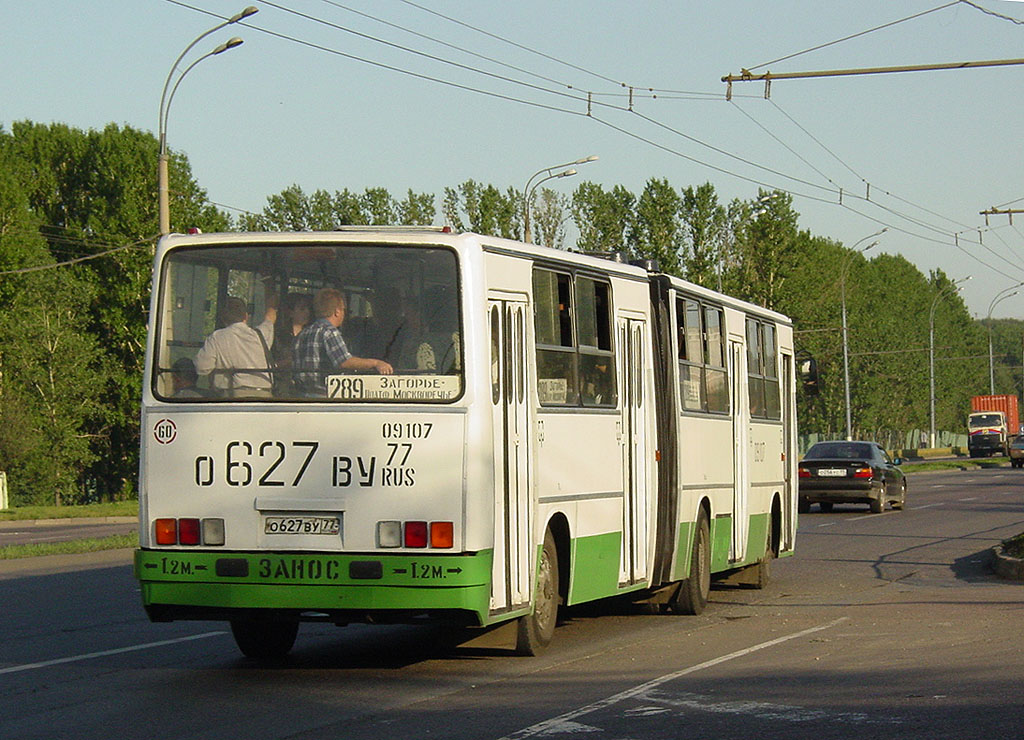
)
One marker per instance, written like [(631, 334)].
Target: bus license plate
[(301, 525)]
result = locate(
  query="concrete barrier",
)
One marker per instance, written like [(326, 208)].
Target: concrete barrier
[(1005, 566)]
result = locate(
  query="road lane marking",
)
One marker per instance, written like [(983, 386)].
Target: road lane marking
[(566, 720), (102, 653), (972, 498), (865, 516), (927, 506)]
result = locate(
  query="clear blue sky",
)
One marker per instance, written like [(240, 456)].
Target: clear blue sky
[(937, 147)]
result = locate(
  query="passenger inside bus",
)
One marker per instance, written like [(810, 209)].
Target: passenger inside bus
[(320, 348), (295, 314), (184, 378), (236, 356)]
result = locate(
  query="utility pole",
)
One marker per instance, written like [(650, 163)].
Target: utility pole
[(993, 211)]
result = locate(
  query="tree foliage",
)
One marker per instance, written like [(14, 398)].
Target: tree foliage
[(72, 336)]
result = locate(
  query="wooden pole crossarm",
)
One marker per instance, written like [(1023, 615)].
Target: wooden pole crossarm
[(748, 76)]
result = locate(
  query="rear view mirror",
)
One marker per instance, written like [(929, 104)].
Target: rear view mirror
[(807, 367)]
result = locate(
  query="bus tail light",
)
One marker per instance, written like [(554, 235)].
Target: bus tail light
[(442, 534), (188, 531), (389, 534), (213, 531), (166, 531), (415, 534), (439, 535)]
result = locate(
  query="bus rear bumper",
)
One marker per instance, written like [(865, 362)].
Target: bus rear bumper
[(314, 586)]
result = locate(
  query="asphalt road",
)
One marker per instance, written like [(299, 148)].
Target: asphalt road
[(62, 530), (887, 625)]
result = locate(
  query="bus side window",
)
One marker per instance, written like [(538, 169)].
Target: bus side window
[(556, 353), (598, 384)]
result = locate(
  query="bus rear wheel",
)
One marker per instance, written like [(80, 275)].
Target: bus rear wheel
[(264, 641), (536, 629), (692, 595)]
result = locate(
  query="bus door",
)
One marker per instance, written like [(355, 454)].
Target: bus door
[(635, 402), (789, 505), (514, 556), (741, 445)]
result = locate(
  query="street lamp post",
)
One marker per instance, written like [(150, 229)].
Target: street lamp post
[(1000, 296), (165, 104), (931, 352), (531, 186), (846, 345)]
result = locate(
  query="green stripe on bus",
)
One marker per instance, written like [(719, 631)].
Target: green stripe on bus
[(721, 538), (595, 561), (315, 580)]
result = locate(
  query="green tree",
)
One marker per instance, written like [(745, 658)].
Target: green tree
[(767, 244), (705, 228), (549, 215), (91, 191), (483, 209), (603, 218), (655, 231)]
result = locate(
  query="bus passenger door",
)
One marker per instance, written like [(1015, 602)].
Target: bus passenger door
[(789, 505), (634, 400), (741, 458), (514, 555)]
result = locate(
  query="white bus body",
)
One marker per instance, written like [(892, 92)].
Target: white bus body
[(559, 428)]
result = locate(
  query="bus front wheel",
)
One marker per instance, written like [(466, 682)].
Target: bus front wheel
[(264, 640), (692, 595), (536, 629)]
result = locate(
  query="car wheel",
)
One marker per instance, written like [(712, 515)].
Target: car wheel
[(536, 629), (825, 506), (803, 506), (878, 503), (902, 500), (692, 595)]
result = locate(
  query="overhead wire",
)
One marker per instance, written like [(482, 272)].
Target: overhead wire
[(591, 102), (853, 36)]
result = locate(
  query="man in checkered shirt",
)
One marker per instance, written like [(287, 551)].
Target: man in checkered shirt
[(320, 349)]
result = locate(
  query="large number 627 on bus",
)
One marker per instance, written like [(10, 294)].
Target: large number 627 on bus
[(559, 428)]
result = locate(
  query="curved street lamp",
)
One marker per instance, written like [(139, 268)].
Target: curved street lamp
[(165, 104), (846, 343), (531, 186), (1000, 296), (955, 285)]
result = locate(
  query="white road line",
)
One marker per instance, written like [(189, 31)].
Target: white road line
[(102, 653), (927, 506), (865, 516), (972, 498), (567, 718)]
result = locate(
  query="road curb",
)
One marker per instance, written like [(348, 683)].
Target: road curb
[(1009, 568)]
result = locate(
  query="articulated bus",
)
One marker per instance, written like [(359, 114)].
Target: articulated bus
[(559, 428)]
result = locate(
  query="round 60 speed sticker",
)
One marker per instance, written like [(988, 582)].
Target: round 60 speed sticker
[(164, 431)]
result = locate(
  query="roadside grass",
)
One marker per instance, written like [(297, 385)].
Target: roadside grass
[(1014, 547), (71, 547), (958, 464), (115, 508)]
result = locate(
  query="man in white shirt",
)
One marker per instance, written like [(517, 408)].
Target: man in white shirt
[(230, 353)]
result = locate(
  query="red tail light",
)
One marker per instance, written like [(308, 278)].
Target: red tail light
[(805, 473), (415, 534), (862, 473), (188, 531)]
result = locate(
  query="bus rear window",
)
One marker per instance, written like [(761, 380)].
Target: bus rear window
[(286, 322)]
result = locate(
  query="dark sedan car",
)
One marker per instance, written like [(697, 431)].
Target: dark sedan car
[(850, 472)]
